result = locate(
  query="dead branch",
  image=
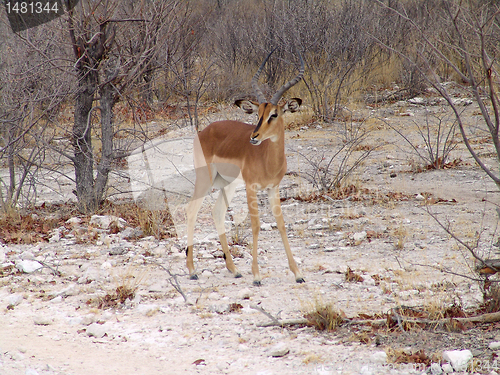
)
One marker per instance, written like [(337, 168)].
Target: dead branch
[(173, 281), (398, 318)]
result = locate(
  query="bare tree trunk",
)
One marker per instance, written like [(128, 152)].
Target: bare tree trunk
[(83, 159), (107, 133)]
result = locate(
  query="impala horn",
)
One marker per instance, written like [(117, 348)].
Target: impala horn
[(255, 85), (276, 97)]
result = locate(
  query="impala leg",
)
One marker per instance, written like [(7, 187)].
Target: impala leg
[(274, 199), (201, 187), (253, 211), (219, 212)]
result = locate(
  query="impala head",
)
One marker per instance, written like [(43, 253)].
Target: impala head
[(270, 113)]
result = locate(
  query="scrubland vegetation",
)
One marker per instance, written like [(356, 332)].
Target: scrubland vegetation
[(79, 92)]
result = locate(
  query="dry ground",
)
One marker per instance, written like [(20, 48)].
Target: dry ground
[(383, 233)]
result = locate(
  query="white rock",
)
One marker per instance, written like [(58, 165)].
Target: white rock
[(42, 320), (88, 319), (74, 220), (416, 100), (56, 237), (279, 350), (15, 299), (220, 308), (419, 197), (447, 369), (30, 371), (459, 359), (436, 369), (266, 226), (104, 222), (379, 357), (359, 237), (495, 345), (106, 266), (28, 266), (245, 294), (96, 330), (57, 299)]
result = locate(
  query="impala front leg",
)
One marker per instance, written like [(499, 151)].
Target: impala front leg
[(274, 199), (253, 211)]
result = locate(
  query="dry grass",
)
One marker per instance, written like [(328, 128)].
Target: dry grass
[(323, 316), (157, 223), (400, 234), (127, 283)]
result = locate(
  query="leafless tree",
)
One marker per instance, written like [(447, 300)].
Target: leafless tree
[(30, 98), (113, 44), (466, 44)]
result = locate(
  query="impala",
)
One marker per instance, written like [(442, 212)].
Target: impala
[(226, 150)]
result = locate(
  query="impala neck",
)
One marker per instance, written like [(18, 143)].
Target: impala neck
[(274, 151)]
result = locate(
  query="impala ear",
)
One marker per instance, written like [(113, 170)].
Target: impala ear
[(247, 105), (292, 105)]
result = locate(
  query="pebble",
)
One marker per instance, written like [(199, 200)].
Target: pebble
[(266, 226), (74, 220), (447, 368), (495, 345), (245, 294), (15, 299), (359, 237), (379, 357), (219, 308), (88, 319), (458, 359), (279, 350), (41, 320), (28, 266), (105, 221), (96, 330), (436, 369)]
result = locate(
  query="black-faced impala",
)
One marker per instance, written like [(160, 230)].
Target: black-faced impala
[(256, 153)]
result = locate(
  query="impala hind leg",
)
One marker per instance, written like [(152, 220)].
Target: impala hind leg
[(253, 211), (274, 199), (219, 213)]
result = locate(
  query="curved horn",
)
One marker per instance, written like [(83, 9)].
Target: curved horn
[(258, 92), (276, 97)]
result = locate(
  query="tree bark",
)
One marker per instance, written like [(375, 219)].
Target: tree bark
[(83, 159)]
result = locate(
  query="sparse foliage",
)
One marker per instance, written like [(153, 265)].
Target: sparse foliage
[(338, 160), (438, 135)]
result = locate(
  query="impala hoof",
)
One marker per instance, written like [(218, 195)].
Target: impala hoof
[(257, 283), (237, 275), (193, 277), (300, 280)]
